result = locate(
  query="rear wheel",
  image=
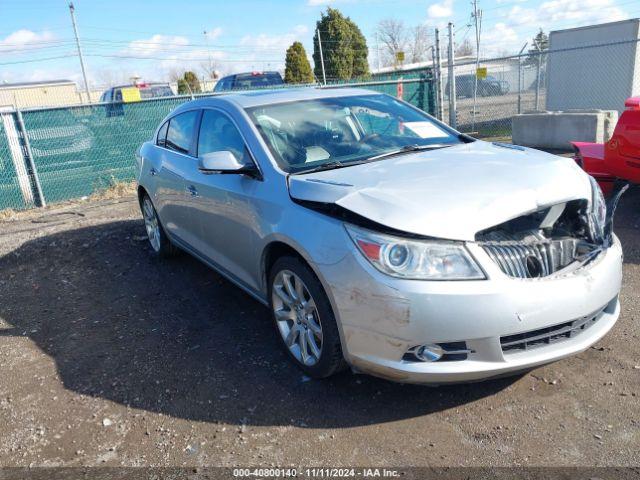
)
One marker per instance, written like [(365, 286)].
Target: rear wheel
[(304, 318), (160, 243)]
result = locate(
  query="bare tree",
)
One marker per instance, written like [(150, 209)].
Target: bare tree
[(420, 44), (393, 39), (210, 69), (465, 49)]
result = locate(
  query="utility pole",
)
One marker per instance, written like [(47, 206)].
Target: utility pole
[(324, 76), (477, 20), (438, 70), (210, 69), (453, 117), (75, 32)]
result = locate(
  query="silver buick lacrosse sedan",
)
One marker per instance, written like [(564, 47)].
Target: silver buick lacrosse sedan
[(380, 238)]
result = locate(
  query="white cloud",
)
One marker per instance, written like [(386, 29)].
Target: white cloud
[(213, 33), (268, 51), (23, 38), (155, 45), (443, 9), (580, 11), (521, 22), (498, 38)]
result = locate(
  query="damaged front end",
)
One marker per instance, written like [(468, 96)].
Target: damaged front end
[(564, 236)]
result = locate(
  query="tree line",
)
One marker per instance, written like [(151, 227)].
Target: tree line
[(345, 53)]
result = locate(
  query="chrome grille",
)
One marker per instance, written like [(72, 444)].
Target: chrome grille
[(547, 336), (531, 259)]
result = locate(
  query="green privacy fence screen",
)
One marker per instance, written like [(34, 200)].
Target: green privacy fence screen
[(71, 152)]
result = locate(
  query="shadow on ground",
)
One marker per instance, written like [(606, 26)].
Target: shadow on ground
[(176, 338)]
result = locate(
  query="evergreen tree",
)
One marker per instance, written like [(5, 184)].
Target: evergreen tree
[(188, 84), (297, 68), (540, 43), (344, 48)]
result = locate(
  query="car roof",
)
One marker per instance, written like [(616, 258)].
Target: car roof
[(255, 98)]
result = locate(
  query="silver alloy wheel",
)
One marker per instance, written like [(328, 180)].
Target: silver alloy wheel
[(151, 223), (297, 317)]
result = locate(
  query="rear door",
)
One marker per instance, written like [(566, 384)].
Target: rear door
[(175, 159)]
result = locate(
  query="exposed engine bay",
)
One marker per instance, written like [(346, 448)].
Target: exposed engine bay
[(549, 240)]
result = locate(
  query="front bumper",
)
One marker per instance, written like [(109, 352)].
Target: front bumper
[(381, 317)]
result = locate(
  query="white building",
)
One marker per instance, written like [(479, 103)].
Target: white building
[(594, 67)]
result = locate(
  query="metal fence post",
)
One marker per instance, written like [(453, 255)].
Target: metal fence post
[(538, 78), (438, 71), (41, 202), (520, 77), (453, 120)]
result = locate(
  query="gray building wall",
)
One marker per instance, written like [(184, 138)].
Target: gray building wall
[(594, 77)]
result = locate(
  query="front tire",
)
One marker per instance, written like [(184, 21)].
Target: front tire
[(160, 244), (304, 319)]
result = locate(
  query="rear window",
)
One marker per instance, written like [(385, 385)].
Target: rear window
[(257, 80), (156, 91), (181, 130)]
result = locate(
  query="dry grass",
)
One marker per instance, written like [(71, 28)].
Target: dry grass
[(115, 190), (7, 214)]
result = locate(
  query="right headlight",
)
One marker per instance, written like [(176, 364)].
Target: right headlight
[(598, 213), (415, 259)]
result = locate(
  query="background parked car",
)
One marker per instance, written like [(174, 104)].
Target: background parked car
[(116, 96), (245, 81), (487, 87)]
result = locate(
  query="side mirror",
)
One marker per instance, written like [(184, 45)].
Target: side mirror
[(223, 161)]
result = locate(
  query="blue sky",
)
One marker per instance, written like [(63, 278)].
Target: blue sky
[(36, 39)]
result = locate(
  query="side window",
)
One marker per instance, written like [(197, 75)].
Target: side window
[(181, 130), (162, 134), (117, 95), (217, 133)]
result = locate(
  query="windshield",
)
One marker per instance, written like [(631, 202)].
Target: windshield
[(307, 134)]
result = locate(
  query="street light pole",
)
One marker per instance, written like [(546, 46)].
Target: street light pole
[(75, 32), (324, 75)]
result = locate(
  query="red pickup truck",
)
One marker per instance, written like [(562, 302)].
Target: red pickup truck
[(619, 158)]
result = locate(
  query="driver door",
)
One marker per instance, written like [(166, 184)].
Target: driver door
[(225, 208)]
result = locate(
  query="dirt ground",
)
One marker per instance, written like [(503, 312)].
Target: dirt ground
[(109, 357)]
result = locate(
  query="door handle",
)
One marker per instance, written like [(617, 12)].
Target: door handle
[(192, 190), (153, 172)]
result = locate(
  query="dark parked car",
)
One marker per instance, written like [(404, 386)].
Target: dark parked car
[(487, 87), (247, 81)]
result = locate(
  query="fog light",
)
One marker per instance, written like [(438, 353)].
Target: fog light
[(430, 352)]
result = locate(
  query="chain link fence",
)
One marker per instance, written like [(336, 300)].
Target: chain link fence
[(49, 155), (585, 77), (512, 85)]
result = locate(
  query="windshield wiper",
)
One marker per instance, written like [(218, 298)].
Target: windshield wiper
[(338, 164), (321, 168), (330, 166), (409, 148)]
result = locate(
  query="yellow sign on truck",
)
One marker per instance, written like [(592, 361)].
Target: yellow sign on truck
[(481, 73), (131, 94)]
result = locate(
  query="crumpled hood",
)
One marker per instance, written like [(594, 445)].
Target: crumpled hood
[(449, 193)]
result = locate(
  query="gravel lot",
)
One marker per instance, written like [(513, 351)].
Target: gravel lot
[(109, 357)]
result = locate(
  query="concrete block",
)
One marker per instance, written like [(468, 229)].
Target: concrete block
[(556, 129)]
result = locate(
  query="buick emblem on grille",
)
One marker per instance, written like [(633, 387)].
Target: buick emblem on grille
[(534, 266)]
